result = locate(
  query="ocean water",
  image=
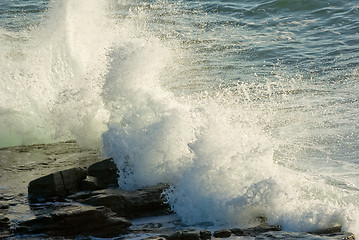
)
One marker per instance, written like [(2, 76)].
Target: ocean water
[(249, 109)]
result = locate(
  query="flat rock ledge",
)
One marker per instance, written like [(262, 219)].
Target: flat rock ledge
[(72, 220), (82, 202)]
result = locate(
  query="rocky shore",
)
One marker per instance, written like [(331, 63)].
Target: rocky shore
[(61, 191)]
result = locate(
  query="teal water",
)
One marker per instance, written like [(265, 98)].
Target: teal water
[(248, 108)]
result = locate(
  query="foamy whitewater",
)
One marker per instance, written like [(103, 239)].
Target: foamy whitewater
[(248, 109)]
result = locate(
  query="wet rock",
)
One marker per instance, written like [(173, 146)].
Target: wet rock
[(187, 234), (4, 234), (191, 234), (237, 231), (105, 172), (5, 198), (303, 235), (205, 234), (335, 229), (341, 236), (334, 233), (71, 179), (266, 228), (74, 220), (175, 236), (4, 223), (225, 233), (156, 238), (56, 186), (263, 228), (142, 202), (4, 226), (90, 184), (4, 205)]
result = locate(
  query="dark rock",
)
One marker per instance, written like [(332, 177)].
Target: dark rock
[(237, 231), (334, 233), (4, 205), (175, 236), (302, 235), (4, 223), (339, 236), (76, 220), (267, 228), (190, 234), (72, 178), (261, 229), (335, 229), (48, 187), (151, 225), (205, 234), (6, 197), (225, 233), (187, 234), (105, 172), (56, 186), (4, 234), (343, 236), (142, 202), (90, 184), (155, 238)]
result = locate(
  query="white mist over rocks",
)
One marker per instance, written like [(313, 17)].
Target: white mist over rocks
[(101, 73)]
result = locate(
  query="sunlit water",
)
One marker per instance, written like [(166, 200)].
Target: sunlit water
[(247, 108)]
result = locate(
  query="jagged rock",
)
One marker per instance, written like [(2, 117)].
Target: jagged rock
[(142, 202), (76, 220), (224, 233), (105, 172), (56, 185)]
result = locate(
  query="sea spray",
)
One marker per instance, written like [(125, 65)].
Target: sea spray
[(217, 158), (82, 41), (216, 150), (53, 77), (213, 151), (149, 130), (231, 158)]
